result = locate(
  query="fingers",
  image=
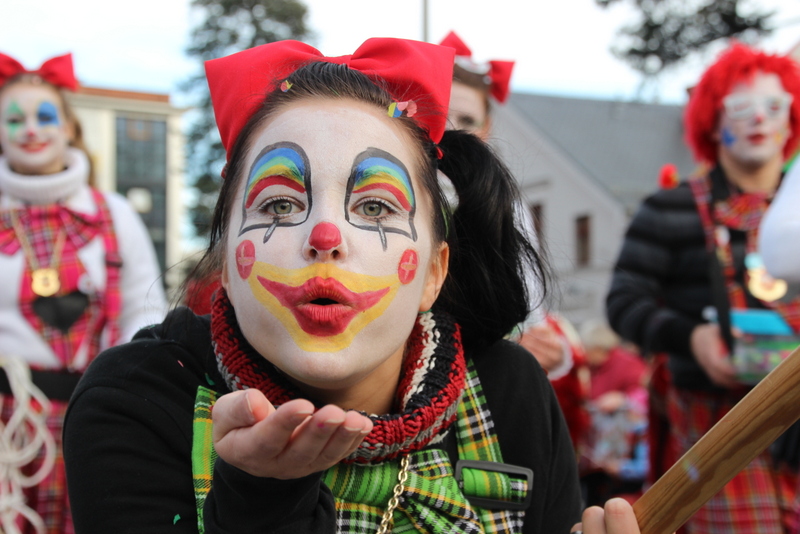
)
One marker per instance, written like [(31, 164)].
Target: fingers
[(545, 345), (273, 434), (288, 442), (620, 518), (710, 352), (593, 520), (721, 370), (248, 432), (327, 437), (239, 409), (723, 374), (616, 518)]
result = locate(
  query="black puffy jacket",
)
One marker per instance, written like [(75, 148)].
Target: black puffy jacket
[(661, 282)]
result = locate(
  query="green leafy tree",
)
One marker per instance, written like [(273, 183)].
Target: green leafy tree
[(227, 26), (670, 30)]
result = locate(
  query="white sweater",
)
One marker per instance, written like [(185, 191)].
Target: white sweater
[(141, 291)]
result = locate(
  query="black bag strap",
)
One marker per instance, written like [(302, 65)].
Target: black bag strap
[(719, 295)]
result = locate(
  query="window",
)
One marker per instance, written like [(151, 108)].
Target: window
[(142, 165), (141, 152), (583, 240)]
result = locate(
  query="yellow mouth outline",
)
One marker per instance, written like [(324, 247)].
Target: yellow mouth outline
[(355, 282)]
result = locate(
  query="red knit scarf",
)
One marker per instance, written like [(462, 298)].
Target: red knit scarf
[(431, 384)]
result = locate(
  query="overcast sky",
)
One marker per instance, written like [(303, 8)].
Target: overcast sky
[(561, 46)]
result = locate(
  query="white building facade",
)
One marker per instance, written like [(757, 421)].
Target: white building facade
[(583, 167), (136, 146)]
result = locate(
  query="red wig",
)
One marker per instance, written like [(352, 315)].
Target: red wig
[(737, 64)]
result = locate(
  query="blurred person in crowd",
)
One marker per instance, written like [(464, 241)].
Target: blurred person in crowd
[(690, 257), (615, 461), (555, 343), (548, 336), (79, 268)]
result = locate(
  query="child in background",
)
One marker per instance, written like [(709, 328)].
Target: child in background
[(616, 461)]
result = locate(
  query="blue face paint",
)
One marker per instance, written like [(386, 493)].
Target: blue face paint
[(47, 115), (727, 137)]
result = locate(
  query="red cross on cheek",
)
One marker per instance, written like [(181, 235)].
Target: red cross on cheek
[(407, 269), (245, 258)]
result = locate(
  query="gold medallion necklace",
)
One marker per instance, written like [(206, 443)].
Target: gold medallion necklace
[(759, 282), (44, 280)]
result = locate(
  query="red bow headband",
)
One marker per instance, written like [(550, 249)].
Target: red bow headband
[(499, 72), (57, 71), (413, 70)]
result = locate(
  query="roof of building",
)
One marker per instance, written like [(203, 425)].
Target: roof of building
[(129, 95), (622, 145)]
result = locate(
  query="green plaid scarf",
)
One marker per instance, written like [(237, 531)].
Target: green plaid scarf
[(432, 501), (203, 453)]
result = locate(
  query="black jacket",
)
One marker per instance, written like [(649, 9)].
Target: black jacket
[(128, 438), (662, 279)]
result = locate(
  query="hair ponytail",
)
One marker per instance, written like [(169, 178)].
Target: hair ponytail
[(485, 289)]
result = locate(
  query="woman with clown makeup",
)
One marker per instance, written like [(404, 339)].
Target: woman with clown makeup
[(79, 273), (690, 268), (352, 376)]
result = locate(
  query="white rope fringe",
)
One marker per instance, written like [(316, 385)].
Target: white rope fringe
[(21, 439)]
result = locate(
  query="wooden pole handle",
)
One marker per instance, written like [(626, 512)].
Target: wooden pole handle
[(742, 434)]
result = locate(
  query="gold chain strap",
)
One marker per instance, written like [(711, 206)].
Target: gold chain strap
[(402, 476)]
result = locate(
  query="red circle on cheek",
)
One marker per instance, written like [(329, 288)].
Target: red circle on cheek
[(245, 258), (407, 269)]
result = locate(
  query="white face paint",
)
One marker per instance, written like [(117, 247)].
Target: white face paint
[(330, 250), (468, 110), (754, 125), (34, 133)]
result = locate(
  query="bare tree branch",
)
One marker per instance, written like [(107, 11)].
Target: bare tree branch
[(671, 30)]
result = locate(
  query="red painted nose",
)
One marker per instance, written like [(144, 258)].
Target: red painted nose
[(325, 236)]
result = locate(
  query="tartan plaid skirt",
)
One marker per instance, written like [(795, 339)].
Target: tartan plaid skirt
[(49, 498), (759, 500)]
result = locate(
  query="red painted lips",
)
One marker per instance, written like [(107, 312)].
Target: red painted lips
[(322, 306), (33, 147)]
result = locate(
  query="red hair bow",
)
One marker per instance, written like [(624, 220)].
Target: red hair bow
[(413, 70), (57, 71), (499, 72)]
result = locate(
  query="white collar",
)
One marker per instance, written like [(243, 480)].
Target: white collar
[(47, 188)]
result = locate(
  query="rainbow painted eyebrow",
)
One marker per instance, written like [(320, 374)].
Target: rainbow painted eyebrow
[(376, 172), (377, 169), (284, 164), (276, 165)]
